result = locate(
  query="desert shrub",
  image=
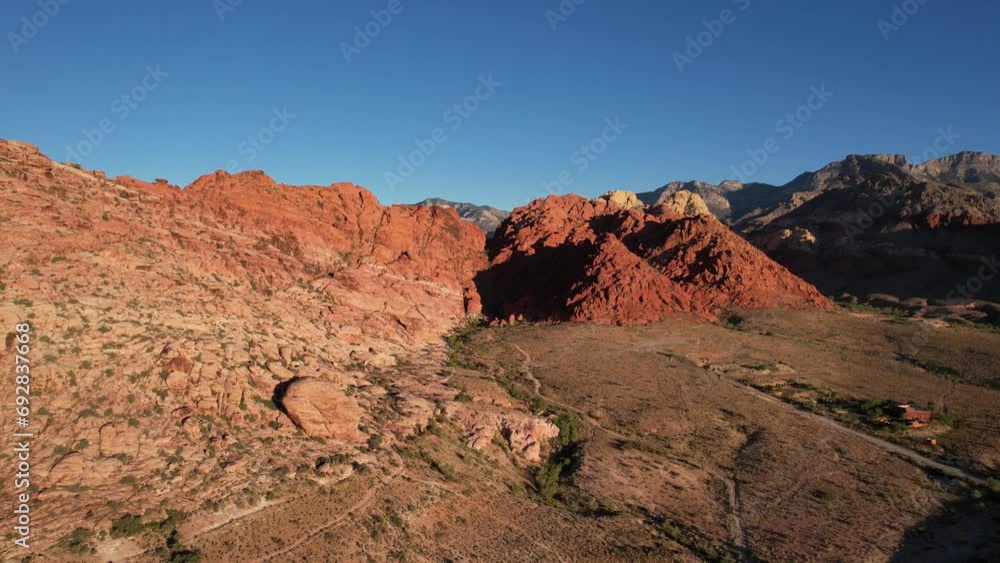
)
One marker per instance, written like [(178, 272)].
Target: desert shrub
[(735, 322), (994, 485), (126, 526), (457, 340), (547, 479), (571, 429), (447, 470), (824, 495), (690, 540), (177, 553), (77, 541), (266, 403), (435, 429), (566, 457)]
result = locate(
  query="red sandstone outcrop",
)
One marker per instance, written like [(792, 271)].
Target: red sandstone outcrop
[(322, 409), (569, 258), (165, 321)]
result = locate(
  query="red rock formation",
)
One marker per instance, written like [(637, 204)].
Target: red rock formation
[(569, 258), (322, 409), (187, 309), (326, 227)]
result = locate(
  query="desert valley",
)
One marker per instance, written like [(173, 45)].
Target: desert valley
[(242, 370)]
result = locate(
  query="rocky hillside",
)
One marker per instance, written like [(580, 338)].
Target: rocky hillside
[(178, 336), (614, 261), (485, 217), (975, 170), (875, 224), (753, 205), (871, 223)]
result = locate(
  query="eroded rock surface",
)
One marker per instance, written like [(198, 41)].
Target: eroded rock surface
[(570, 258), (322, 409)]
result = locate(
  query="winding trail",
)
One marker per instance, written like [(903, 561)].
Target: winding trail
[(364, 502), (526, 370)]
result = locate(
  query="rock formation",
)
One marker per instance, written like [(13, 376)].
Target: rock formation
[(605, 261), (684, 202), (321, 409), (163, 320), (871, 223)]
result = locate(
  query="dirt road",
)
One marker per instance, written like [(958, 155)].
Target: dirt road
[(910, 455)]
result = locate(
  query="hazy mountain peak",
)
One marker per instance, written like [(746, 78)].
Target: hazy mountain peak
[(485, 217)]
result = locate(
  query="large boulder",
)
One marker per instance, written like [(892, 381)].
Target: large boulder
[(621, 199), (322, 409), (683, 202)]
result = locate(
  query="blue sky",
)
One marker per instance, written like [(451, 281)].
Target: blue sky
[(554, 90)]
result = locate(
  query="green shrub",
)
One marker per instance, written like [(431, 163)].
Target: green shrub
[(77, 541), (126, 526), (824, 495)]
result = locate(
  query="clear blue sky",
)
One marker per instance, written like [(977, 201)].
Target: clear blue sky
[(608, 59)]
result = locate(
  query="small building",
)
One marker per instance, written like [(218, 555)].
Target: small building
[(917, 415)]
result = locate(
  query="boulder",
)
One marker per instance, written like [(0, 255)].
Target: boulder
[(683, 202), (322, 409), (621, 199)]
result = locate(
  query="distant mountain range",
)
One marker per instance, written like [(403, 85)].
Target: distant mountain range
[(750, 206), (865, 224), (486, 217), (873, 223)]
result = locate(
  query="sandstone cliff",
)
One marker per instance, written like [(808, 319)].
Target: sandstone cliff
[(606, 261)]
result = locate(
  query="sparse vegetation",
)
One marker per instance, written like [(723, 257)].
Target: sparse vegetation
[(78, 542), (824, 495), (126, 526), (457, 340), (566, 457), (692, 541)]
